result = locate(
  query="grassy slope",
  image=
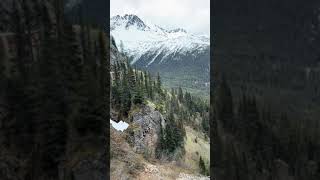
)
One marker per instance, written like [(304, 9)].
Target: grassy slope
[(125, 163), (195, 150)]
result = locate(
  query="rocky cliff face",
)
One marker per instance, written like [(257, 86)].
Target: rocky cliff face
[(146, 125), (115, 55)]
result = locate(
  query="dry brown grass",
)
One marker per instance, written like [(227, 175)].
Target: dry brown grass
[(196, 149)]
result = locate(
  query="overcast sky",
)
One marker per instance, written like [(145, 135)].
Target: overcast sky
[(191, 15)]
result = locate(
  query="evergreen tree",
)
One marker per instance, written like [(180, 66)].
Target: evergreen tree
[(151, 88), (125, 96), (161, 145), (116, 86), (146, 83), (173, 135), (224, 104), (159, 84), (202, 166), (180, 95), (131, 77), (51, 121), (104, 65), (138, 97), (188, 101)]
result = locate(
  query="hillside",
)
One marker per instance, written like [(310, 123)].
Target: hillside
[(159, 142), (125, 163)]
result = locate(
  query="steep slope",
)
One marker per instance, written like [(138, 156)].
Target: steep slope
[(126, 163), (132, 151), (153, 146), (180, 57)]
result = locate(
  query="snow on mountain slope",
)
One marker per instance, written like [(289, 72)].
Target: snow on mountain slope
[(139, 38)]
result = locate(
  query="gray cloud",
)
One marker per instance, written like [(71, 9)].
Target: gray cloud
[(192, 15)]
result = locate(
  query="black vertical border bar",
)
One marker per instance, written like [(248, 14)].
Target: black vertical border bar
[(211, 109), (107, 20), (109, 86)]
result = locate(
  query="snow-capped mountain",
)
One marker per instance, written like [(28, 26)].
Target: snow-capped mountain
[(180, 57), (139, 38)]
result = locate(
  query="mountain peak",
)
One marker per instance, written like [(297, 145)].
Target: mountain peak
[(177, 30), (131, 16), (127, 21)]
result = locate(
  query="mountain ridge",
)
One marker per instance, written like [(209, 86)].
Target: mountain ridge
[(181, 58), (140, 38)]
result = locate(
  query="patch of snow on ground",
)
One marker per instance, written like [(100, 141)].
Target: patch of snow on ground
[(120, 126)]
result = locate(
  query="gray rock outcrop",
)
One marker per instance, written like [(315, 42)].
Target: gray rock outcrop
[(146, 123)]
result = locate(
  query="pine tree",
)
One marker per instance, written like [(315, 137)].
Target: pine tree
[(146, 83), (104, 69), (51, 122), (188, 100), (161, 145), (159, 84), (173, 134), (202, 166), (224, 104), (138, 96), (104, 101), (125, 96), (180, 95), (151, 88), (131, 77)]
